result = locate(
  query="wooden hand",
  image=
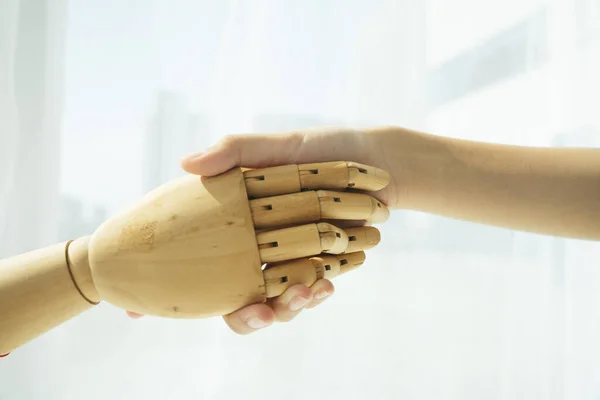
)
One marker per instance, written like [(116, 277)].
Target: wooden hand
[(290, 203), (196, 248)]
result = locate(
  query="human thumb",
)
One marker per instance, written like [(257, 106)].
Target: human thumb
[(247, 150)]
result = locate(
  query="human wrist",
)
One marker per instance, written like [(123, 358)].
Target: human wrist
[(414, 159)]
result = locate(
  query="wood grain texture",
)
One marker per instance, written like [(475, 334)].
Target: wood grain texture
[(191, 249), (351, 261), (289, 243), (313, 206), (351, 206), (367, 177), (333, 239), (78, 262), (281, 276), (286, 210), (331, 175), (37, 294), (306, 271), (272, 181), (326, 175), (186, 250), (362, 238)]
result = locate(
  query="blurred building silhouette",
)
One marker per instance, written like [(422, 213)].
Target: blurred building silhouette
[(464, 81), (514, 50), (31, 105), (174, 131), (587, 13)]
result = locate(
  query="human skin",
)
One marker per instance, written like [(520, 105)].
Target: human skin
[(549, 191)]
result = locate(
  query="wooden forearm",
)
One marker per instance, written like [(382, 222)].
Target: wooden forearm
[(42, 289), (195, 248), (553, 191)]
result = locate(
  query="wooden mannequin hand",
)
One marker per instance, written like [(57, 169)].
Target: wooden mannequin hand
[(196, 247), (263, 151)]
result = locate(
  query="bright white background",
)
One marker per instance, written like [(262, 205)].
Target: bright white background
[(98, 100)]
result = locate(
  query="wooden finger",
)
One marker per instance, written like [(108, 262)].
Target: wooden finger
[(300, 241), (334, 175), (334, 240), (313, 206), (362, 238), (282, 276), (351, 261), (307, 271), (288, 243), (313, 239), (285, 210), (352, 206)]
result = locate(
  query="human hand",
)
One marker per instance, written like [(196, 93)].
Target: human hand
[(300, 147)]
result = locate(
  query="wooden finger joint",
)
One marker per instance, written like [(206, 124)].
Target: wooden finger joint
[(333, 239), (367, 177), (326, 175), (272, 181), (285, 210), (289, 243), (281, 276)]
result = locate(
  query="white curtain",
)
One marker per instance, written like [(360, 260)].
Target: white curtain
[(98, 100)]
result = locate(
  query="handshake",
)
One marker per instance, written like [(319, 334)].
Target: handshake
[(200, 247), (259, 245)]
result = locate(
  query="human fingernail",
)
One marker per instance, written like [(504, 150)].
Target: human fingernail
[(4, 355), (297, 303), (322, 294), (256, 323)]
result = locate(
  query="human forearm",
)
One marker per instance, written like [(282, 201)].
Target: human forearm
[(554, 191)]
